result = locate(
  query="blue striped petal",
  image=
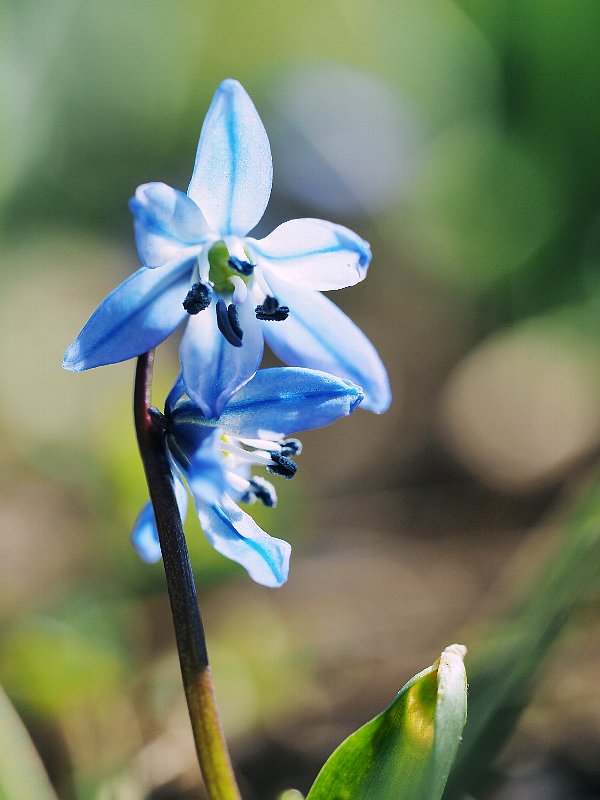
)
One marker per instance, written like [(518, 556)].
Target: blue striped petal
[(138, 315), (145, 536), (313, 253), (285, 400), (213, 369), (235, 535), (233, 172), (317, 334), (168, 225), (197, 450)]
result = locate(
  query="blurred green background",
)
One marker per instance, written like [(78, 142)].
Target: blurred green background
[(460, 139)]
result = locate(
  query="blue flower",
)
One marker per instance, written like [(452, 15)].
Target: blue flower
[(215, 458), (233, 290)]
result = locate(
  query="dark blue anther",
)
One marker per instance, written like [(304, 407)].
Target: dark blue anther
[(243, 267), (271, 311), (198, 298), (263, 491), (234, 320), (291, 447), (228, 323), (282, 466)]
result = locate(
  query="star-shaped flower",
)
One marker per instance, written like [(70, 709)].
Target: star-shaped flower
[(214, 459), (201, 266)]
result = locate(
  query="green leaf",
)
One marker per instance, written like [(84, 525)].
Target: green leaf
[(22, 776), (406, 752)]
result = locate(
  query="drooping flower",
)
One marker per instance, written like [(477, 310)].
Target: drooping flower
[(214, 459), (233, 290)]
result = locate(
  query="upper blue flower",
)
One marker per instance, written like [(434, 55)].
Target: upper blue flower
[(215, 458), (200, 265)]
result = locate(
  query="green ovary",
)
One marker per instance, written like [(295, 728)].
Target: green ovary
[(220, 271)]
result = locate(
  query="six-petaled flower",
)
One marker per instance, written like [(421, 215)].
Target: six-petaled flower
[(233, 290), (215, 458)]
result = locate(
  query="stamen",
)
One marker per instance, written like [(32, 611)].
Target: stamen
[(251, 456), (198, 298), (234, 320), (291, 447), (204, 265), (229, 323), (282, 466), (261, 444), (243, 267), (237, 482), (248, 497), (271, 311), (240, 290), (264, 491), (262, 282)]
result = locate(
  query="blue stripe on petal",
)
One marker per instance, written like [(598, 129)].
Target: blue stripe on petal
[(317, 334), (235, 535), (135, 317), (233, 171), (167, 225), (213, 369), (285, 400), (313, 253)]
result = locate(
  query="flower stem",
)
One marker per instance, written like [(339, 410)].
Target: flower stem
[(210, 743)]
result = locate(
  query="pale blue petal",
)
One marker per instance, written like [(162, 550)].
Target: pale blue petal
[(233, 172), (314, 254), (138, 315), (234, 534), (168, 225), (319, 335), (202, 462), (285, 400), (145, 536), (213, 369)]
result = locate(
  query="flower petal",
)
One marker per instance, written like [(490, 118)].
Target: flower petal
[(233, 172), (145, 536), (175, 394), (168, 225), (197, 450), (135, 317), (285, 400), (235, 535), (213, 369), (313, 253), (319, 335)]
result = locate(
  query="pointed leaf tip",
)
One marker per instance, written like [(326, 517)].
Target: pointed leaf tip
[(407, 750)]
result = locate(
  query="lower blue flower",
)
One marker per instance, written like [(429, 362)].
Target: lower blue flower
[(214, 460)]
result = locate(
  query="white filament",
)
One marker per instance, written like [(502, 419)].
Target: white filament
[(240, 290)]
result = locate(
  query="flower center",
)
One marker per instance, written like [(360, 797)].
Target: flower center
[(223, 266)]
